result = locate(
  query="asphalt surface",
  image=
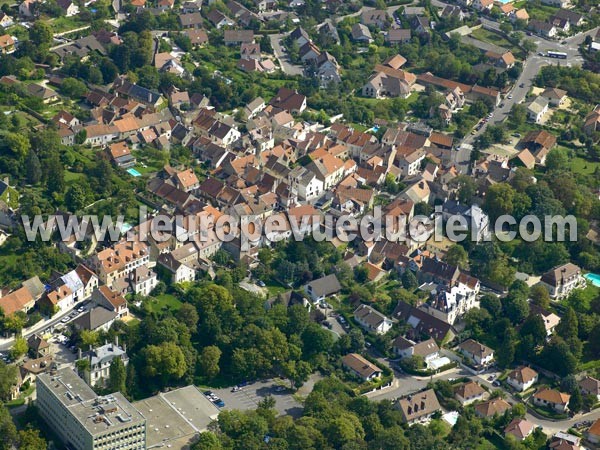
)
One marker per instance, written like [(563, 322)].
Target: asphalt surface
[(282, 57), (249, 396)]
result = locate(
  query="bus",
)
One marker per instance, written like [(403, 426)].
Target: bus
[(559, 55)]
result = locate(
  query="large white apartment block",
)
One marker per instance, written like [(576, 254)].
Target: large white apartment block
[(85, 421)]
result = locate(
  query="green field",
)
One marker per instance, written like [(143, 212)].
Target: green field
[(162, 302)]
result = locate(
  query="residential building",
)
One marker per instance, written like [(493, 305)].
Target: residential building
[(592, 121), (405, 348), (545, 29), (375, 17), (322, 288), (519, 428), (191, 20), (372, 320), (537, 110), (552, 399), (361, 367), (100, 359), (120, 155), (590, 386), (469, 392), (179, 270), (483, 5), (5, 20), (289, 100), (119, 261), (98, 318), (479, 354), (237, 37), (418, 407), (557, 3), (522, 378), (68, 7), (7, 44), (111, 300), (18, 300), (83, 420), (398, 36), (361, 33), (491, 408), (593, 433), (562, 280), (38, 347), (424, 323)]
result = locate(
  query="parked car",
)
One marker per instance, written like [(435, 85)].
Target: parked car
[(220, 403), (327, 324), (236, 389), (280, 389), (261, 283), (496, 383)]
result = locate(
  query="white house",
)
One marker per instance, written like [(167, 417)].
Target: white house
[(323, 287), (478, 353), (469, 392), (522, 378), (552, 399), (562, 280), (405, 348), (537, 109), (372, 320)]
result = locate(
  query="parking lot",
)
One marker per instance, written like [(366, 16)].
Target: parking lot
[(249, 396)]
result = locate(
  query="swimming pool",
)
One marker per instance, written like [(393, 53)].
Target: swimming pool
[(594, 278), (133, 172)]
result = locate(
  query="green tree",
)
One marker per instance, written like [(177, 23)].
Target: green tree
[(457, 256), (188, 315), (8, 431), (75, 198), (40, 34), (55, 175), (19, 348), (576, 401), (529, 46), (499, 200), (568, 327), (117, 380), (409, 280), (165, 361), (73, 88), (209, 361), (30, 439), (8, 378), (556, 159), (540, 296), (207, 441), (505, 354), (34, 168)]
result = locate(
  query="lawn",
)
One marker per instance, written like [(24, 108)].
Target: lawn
[(494, 38), (275, 288), (162, 302), (583, 166), (62, 24)]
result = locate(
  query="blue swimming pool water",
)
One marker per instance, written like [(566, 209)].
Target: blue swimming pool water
[(133, 173), (594, 278)]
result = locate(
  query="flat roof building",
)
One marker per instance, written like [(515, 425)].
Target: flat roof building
[(85, 421)]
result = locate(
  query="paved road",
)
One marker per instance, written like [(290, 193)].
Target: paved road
[(6, 344), (282, 58)]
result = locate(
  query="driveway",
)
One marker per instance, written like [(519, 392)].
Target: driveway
[(284, 62), (249, 397)]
